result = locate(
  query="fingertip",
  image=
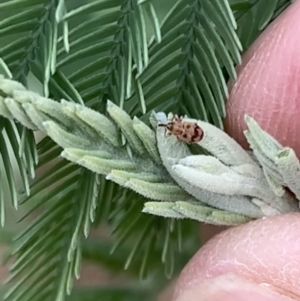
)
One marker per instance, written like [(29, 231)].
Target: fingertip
[(230, 287), (263, 251)]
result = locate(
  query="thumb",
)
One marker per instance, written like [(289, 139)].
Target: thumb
[(268, 85), (257, 261)]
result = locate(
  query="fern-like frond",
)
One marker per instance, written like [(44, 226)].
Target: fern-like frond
[(92, 140), (11, 139), (110, 169), (30, 31), (70, 195), (119, 30), (50, 251), (185, 71), (33, 40), (181, 239), (18, 157), (147, 244), (152, 240), (66, 194), (55, 190)]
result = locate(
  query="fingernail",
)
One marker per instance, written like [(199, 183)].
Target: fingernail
[(230, 287)]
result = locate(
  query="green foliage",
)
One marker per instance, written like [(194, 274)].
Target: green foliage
[(254, 15), (185, 70), (142, 59), (92, 140)]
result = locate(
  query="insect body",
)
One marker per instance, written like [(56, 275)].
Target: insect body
[(188, 132)]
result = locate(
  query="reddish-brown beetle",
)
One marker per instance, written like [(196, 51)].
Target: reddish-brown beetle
[(185, 131)]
